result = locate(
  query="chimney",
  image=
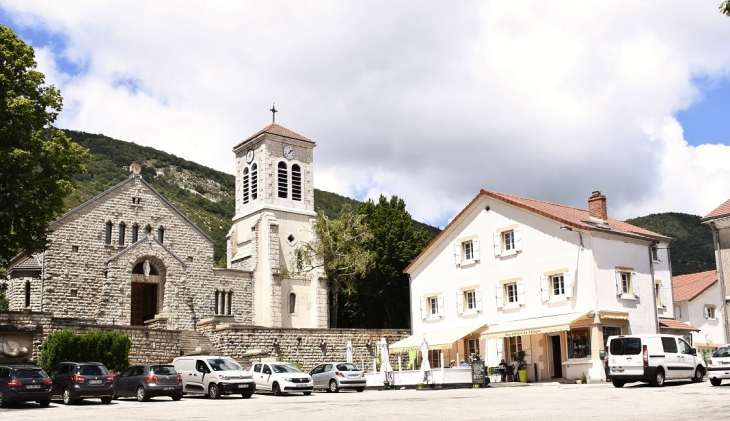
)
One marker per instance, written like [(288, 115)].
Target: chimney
[(135, 168), (597, 206)]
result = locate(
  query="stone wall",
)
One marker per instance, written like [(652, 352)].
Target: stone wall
[(307, 347), (16, 293)]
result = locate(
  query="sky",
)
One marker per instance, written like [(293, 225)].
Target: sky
[(427, 100)]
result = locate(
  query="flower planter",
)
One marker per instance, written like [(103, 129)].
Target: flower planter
[(522, 375)]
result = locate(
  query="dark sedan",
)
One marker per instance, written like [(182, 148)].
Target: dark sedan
[(149, 380), (24, 384), (73, 381)]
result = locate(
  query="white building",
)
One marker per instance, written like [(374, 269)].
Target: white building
[(698, 302), (512, 273)]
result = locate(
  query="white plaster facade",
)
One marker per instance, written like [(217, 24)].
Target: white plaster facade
[(588, 257), (694, 312)]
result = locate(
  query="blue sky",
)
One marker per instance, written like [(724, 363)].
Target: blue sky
[(708, 119)]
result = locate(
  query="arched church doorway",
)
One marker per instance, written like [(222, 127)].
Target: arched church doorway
[(147, 290)]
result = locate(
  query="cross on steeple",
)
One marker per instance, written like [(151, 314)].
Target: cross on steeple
[(273, 113)]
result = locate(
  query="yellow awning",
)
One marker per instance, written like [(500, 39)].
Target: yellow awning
[(537, 325), (614, 315), (439, 339)]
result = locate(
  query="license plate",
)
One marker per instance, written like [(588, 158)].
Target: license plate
[(617, 370), (95, 381), (243, 386), (724, 362), (301, 385), (353, 375), (33, 386), (168, 388)]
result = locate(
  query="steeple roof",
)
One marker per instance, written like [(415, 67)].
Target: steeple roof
[(277, 130)]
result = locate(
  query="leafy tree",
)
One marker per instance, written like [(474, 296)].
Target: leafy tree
[(383, 295), (37, 161), (337, 249), (725, 8), (4, 302)]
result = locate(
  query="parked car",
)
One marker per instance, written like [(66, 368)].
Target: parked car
[(338, 375), (214, 376), (24, 384), (651, 358), (719, 365), (148, 381), (73, 381), (281, 378)]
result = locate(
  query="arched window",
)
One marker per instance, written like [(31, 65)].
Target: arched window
[(296, 183), (245, 186), (135, 233), (122, 232), (283, 182), (108, 239), (292, 303), (161, 235), (27, 293), (254, 182), (148, 229)]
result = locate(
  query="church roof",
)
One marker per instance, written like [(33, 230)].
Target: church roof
[(107, 192), (277, 130)]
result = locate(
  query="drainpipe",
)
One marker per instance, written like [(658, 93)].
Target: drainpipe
[(653, 286), (43, 277), (671, 279), (410, 298), (716, 234)]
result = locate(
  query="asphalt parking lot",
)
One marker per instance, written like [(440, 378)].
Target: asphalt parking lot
[(544, 401)]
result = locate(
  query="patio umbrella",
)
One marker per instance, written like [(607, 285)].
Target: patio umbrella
[(348, 352), (425, 366), (385, 368)]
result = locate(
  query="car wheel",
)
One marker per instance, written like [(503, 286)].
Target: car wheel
[(106, 400), (177, 397), (213, 391), (618, 383), (360, 389), (276, 389), (715, 382), (114, 394), (44, 403), (333, 387), (246, 395), (307, 393), (698, 375), (67, 399), (658, 378), (142, 394), (3, 402)]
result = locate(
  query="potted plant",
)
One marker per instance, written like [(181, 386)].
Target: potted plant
[(519, 357)]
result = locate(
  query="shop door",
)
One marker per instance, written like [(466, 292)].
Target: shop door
[(137, 304), (557, 357)]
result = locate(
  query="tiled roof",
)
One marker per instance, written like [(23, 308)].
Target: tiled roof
[(566, 215), (689, 287), (721, 210), (676, 325), (30, 262), (278, 130)]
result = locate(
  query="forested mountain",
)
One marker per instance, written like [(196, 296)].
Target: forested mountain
[(693, 251), (205, 195)]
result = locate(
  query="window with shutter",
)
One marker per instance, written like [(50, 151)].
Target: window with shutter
[(544, 288), (568, 277), (521, 293), (478, 299), (459, 303), (457, 253), (440, 300), (634, 284), (424, 309), (497, 244), (499, 296)]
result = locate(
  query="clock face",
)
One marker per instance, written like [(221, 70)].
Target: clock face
[(288, 152), (249, 156)]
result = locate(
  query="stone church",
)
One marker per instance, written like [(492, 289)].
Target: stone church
[(129, 257)]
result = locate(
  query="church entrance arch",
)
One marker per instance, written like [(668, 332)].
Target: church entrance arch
[(148, 283)]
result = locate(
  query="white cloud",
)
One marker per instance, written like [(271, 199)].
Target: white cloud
[(427, 100)]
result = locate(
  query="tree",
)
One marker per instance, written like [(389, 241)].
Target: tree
[(725, 8), (37, 161), (337, 249), (383, 294)]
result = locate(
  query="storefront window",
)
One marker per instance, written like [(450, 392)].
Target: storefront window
[(579, 343), (434, 358), (515, 344), (472, 347), (610, 331)]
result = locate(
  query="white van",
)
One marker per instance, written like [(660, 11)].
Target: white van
[(214, 376), (651, 358)]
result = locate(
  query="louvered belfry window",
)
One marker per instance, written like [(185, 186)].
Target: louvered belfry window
[(296, 183), (283, 182), (245, 186), (254, 182)]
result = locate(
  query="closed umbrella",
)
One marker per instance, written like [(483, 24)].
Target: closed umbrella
[(425, 366), (385, 368), (348, 352)]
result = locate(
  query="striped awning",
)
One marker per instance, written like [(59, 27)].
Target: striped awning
[(534, 326), (613, 315)]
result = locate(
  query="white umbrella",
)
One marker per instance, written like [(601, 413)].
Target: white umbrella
[(425, 366), (385, 367), (348, 352)]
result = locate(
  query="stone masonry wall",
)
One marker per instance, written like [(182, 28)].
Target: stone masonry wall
[(16, 293), (303, 346)]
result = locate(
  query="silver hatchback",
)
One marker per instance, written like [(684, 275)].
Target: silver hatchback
[(338, 375)]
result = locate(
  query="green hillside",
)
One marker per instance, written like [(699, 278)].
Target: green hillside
[(205, 195), (693, 251)]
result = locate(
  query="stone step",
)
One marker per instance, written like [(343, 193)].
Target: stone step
[(195, 343)]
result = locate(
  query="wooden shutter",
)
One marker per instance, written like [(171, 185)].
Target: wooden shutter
[(440, 300), (478, 299), (521, 292), (500, 296), (707, 312), (635, 284), (544, 288), (457, 253), (475, 248), (619, 290), (665, 296), (568, 279), (460, 302), (518, 239), (424, 309), (497, 244)]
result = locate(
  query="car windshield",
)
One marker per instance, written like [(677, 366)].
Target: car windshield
[(625, 346), (221, 364), (722, 352), (285, 368), (30, 373), (163, 370), (347, 367), (92, 370)]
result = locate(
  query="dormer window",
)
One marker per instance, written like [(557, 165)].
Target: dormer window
[(283, 180)]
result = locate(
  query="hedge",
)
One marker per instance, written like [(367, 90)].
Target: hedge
[(108, 348)]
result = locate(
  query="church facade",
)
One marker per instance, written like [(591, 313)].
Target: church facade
[(129, 257)]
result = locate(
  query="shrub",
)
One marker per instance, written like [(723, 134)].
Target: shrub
[(108, 348)]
